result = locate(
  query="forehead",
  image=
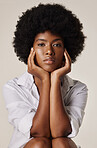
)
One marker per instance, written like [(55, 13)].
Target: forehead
[(47, 36)]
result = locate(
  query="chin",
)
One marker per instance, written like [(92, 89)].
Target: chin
[(49, 69)]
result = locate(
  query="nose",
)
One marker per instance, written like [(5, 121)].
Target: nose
[(50, 51)]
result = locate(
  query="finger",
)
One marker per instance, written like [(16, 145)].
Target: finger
[(68, 63), (32, 57), (29, 58), (68, 56), (32, 49), (68, 59)]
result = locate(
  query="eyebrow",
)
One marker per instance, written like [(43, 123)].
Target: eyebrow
[(46, 40)]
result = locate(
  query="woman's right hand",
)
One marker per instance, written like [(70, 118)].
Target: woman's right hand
[(34, 69)]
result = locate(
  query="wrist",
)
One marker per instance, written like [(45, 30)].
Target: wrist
[(45, 80), (55, 76), (55, 80), (44, 77)]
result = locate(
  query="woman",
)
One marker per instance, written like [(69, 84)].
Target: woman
[(45, 105)]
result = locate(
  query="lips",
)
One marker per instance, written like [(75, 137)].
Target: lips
[(49, 60)]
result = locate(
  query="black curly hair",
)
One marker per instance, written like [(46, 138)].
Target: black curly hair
[(53, 17)]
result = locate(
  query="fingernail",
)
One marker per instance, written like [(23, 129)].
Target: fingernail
[(32, 49)]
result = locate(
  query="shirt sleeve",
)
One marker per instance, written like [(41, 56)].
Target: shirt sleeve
[(20, 112), (77, 98)]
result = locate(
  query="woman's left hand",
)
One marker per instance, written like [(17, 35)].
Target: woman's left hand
[(63, 70)]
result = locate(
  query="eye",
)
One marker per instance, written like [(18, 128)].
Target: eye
[(41, 44), (57, 45)]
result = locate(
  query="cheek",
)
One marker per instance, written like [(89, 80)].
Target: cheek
[(39, 56), (60, 56)]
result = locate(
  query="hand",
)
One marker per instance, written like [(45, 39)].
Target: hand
[(64, 69), (34, 69)]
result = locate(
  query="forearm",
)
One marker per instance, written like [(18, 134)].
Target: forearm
[(41, 121), (59, 120)]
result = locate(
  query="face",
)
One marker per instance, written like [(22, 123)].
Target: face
[(49, 51)]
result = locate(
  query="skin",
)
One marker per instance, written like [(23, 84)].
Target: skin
[(51, 124)]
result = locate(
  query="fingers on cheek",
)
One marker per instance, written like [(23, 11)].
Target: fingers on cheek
[(32, 58), (68, 62), (68, 57), (29, 60), (29, 65)]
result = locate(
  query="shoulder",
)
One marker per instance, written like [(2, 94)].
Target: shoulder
[(16, 89), (76, 85), (25, 80), (77, 93)]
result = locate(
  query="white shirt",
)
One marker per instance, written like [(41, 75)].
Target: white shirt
[(22, 99)]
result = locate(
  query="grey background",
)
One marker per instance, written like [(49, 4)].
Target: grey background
[(85, 69)]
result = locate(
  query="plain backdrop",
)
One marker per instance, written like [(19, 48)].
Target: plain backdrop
[(85, 69)]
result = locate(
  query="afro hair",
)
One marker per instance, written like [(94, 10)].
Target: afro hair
[(53, 17)]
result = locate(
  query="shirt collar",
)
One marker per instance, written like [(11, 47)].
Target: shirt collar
[(67, 83), (70, 81), (26, 80)]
